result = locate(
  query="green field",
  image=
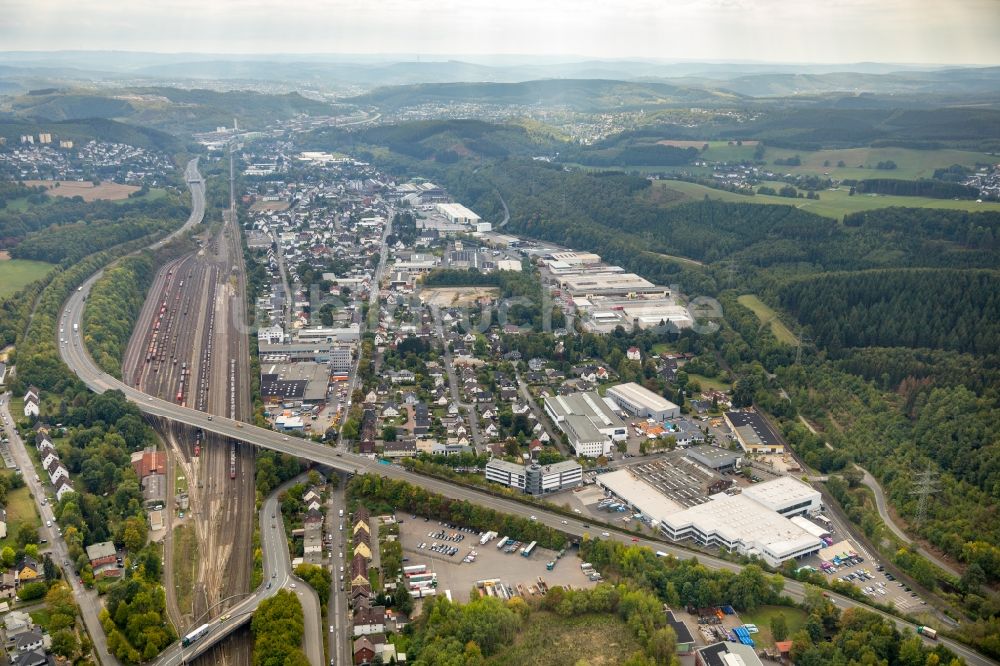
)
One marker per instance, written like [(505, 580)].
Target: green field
[(15, 273), (710, 383), (910, 164), (795, 619), (20, 511), (154, 194), (768, 316), (832, 203), (550, 640)]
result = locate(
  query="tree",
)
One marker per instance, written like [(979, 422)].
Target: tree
[(31, 591), (7, 556), (389, 433), (134, 536), (31, 550), (779, 627), (64, 643), (27, 534), (663, 646)]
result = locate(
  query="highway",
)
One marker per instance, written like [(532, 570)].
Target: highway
[(77, 358)]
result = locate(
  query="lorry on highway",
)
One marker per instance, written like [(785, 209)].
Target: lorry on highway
[(927, 632)]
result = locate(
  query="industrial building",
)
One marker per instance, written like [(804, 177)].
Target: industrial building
[(727, 654), (640, 402), (754, 433), (589, 422), (786, 496), (314, 379), (535, 479), (610, 284), (755, 522), (713, 457), (740, 524), (574, 258), (349, 333), (458, 214)]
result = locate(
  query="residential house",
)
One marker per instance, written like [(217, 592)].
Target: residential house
[(369, 620), (30, 658), (103, 559), (364, 651), (16, 623), (8, 585), (28, 641), (3, 523), (27, 569), (63, 487)]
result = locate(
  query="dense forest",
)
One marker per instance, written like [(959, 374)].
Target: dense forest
[(935, 189), (115, 302), (15, 225), (940, 309)]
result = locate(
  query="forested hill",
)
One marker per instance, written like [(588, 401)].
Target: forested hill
[(175, 110), (100, 129), (585, 95), (938, 309)]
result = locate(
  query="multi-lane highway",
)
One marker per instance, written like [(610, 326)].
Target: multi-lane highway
[(76, 357)]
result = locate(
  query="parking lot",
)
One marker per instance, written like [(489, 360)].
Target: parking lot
[(866, 574), (459, 576)]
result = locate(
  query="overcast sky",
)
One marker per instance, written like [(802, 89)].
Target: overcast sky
[(920, 31)]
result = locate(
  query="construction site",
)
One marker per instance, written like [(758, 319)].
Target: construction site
[(190, 346)]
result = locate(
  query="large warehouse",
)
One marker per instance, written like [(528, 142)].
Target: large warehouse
[(458, 214), (590, 423), (643, 403), (754, 433), (756, 522)]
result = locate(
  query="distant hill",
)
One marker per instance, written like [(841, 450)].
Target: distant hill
[(591, 95), (101, 129), (71, 106), (172, 109)]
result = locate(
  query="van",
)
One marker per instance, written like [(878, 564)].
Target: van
[(341, 513)]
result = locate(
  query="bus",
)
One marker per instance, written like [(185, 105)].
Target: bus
[(196, 634)]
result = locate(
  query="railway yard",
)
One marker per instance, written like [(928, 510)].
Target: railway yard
[(189, 346)]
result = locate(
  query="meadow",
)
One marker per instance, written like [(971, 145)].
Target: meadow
[(15, 273)]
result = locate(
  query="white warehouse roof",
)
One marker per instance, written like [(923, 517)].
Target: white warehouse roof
[(641, 395), (782, 492)]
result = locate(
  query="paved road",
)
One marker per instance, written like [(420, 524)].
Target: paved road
[(337, 611), (77, 358), (456, 396), (882, 505), (373, 290), (541, 416), (90, 604), (277, 575)]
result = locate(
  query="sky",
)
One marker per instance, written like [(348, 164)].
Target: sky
[(814, 31)]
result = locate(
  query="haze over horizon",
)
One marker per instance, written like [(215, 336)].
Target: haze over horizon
[(763, 31)]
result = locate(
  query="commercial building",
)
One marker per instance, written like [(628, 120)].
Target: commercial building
[(316, 378), (713, 457), (535, 479), (575, 258), (458, 214), (786, 496), (589, 422), (506, 473), (610, 284), (349, 333), (754, 433), (727, 654), (642, 403), (739, 524), (628, 487)]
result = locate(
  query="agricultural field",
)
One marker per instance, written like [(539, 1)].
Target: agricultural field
[(832, 203), (15, 273), (550, 640), (795, 619), (768, 316), (910, 164), (85, 189), (457, 296)]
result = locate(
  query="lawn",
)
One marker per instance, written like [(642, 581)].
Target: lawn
[(550, 640), (768, 316), (832, 203), (910, 164), (710, 383), (795, 619), (15, 273), (20, 511)]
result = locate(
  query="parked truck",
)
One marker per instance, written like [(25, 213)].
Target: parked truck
[(927, 632)]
